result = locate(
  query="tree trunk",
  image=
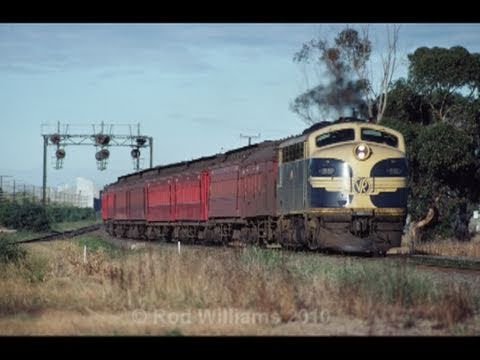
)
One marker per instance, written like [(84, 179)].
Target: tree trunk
[(419, 225)]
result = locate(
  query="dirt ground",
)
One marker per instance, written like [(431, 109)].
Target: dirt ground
[(229, 324)]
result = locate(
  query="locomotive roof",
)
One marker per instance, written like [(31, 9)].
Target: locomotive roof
[(220, 157), (322, 124), (319, 125), (202, 161)]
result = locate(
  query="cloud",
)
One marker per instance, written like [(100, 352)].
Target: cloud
[(65, 47), (182, 48), (108, 74), (28, 69)]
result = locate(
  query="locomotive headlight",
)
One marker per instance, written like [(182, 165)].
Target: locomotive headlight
[(362, 151)]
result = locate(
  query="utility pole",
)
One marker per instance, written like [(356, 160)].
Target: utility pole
[(44, 182), (150, 140), (249, 137)]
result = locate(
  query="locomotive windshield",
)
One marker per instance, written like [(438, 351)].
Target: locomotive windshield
[(334, 137), (379, 137)]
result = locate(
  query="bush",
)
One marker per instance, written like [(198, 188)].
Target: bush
[(442, 166), (10, 251), (70, 213), (445, 152), (32, 216), (25, 215)]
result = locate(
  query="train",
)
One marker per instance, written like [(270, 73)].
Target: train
[(338, 186)]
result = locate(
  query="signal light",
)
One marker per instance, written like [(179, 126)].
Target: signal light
[(102, 155), (141, 141), (135, 153), (60, 154), (55, 139), (101, 139)]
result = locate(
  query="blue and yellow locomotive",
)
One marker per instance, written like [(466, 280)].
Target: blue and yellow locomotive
[(343, 186)]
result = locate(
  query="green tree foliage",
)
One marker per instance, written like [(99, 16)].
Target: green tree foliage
[(440, 75), (405, 104), (442, 172), (445, 152), (438, 110)]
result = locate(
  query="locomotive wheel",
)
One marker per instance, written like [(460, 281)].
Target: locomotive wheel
[(118, 230), (244, 234), (150, 233), (141, 231), (311, 239), (253, 236), (217, 235), (133, 232), (299, 231), (208, 235)]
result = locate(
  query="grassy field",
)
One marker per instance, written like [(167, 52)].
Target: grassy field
[(203, 290)]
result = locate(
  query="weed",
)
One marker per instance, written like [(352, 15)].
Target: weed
[(96, 243), (268, 282), (10, 251)]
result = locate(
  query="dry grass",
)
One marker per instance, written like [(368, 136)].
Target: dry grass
[(54, 322), (54, 278), (149, 280)]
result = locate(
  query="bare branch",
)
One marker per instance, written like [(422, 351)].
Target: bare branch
[(345, 74), (389, 66)]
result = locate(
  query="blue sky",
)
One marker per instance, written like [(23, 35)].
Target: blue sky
[(193, 87)]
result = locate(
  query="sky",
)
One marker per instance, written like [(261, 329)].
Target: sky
[(193, 87)]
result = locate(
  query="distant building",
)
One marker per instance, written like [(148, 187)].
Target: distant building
[(86, 188), (81, 195)]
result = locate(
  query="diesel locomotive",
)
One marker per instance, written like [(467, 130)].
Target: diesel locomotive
[(339, 186)]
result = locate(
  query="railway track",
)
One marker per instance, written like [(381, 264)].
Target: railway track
[(445, 262), (62, 234), (432, 261)]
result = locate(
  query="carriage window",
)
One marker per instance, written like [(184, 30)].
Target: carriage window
[(379, 137), (334, 137), (292, 152)]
